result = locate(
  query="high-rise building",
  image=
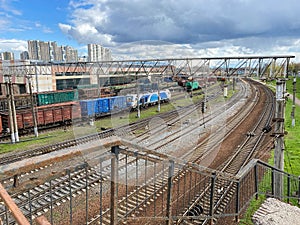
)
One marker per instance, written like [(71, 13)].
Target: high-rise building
[(24, 55), (7, 56), (33, 49), (98, 53), (71, 54), (50, 51)]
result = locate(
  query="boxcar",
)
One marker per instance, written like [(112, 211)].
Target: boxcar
[(22, 101), (47, 116), (117, 103), (102, 106), (48, 98), (87, 107)]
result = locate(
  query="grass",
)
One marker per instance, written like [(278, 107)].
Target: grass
[(292, 150), (56, 136), (31, 142)]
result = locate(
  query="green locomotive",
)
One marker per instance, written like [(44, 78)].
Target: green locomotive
[(191, 85)]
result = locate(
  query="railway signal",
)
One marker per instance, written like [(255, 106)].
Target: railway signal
[(203, 107)]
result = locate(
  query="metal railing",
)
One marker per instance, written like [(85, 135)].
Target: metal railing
[(146, 187)]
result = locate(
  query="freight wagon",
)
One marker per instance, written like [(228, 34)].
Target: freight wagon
[(46, 116), (88, 93), (48, 98), (23, 101), (103, 106)]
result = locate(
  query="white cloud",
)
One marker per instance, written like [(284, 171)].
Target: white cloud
[(13, 45), (207, 27)]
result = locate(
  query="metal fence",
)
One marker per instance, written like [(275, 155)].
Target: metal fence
[(144, 187)]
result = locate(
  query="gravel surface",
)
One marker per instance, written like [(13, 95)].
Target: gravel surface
[(275, 212)]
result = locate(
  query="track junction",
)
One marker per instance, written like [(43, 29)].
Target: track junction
[(182, 167)]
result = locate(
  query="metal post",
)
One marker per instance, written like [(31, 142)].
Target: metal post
[(36, 78), (16, 180), (288, 188), (256, 182), (51, 202), (11, 122), (113, 186), (169, 193), (299, 190), (30, 206), (294, 100), (101, 192), (138, 98), (212, 196), (279, 140), (70, 193), (158, 93), (35, 127), (86, 194), (237, 202), (10, 206)]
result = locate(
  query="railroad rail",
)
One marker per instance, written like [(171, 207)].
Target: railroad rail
[(160, 183)]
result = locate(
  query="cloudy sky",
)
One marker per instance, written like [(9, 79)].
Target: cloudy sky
[(156, 28)]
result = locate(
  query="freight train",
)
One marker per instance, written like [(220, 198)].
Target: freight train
[(49, 115), (23, 101), (46, 116)]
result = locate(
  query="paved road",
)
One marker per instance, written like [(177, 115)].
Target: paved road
[(297, 101)]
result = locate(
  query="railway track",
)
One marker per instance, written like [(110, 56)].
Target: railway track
[(238, 160), (156, 189), (136, 126)]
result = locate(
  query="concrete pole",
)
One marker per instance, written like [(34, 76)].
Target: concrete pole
[(11, 122), (14, 114), (294, 101), (279, 138), (35, 127)]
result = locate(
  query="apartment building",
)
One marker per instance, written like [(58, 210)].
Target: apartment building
[(98, 53)]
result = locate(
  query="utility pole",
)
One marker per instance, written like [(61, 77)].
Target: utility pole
[(138, 98), (14, 115), (35, 127), (294, 101), (158, 93), (11, 122), (279, 138)]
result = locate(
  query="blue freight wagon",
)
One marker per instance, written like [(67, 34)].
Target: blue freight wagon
[(118, 103), (87, 107), (102, 106)]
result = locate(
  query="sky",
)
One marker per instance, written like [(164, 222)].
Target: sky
[(143, 29)]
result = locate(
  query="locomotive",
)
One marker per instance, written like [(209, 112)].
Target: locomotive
[(48, 115)]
